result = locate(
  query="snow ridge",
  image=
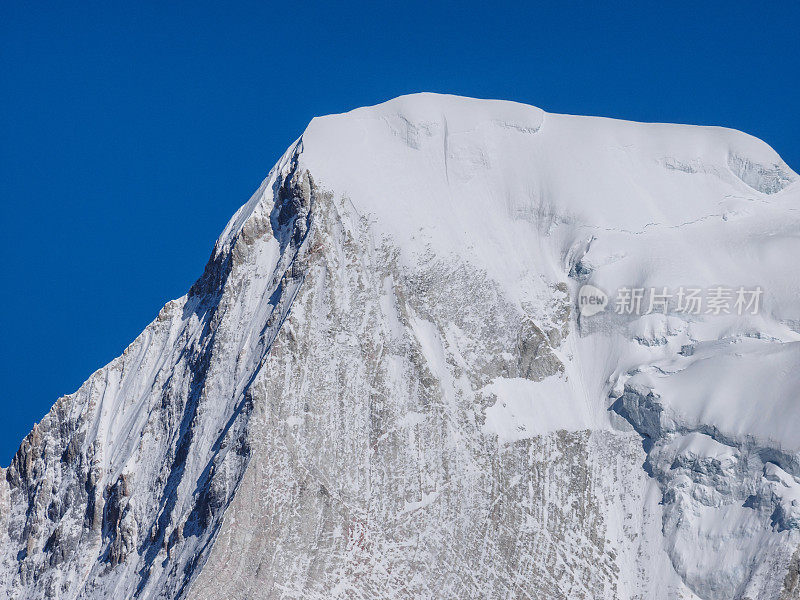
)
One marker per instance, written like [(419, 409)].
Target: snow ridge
[(382, 385)]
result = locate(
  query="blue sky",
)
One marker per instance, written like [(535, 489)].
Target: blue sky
[(132, 132)]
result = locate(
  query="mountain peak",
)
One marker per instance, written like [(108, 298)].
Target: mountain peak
[(462, 112), (385, 384)]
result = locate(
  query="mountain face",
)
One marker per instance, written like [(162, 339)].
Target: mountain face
[(391, 381)]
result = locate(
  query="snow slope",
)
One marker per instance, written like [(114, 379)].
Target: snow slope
[(381, 387)]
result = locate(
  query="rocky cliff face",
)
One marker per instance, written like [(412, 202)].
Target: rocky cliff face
[(382, 385)]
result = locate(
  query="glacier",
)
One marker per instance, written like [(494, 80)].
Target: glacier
[(382, 385)]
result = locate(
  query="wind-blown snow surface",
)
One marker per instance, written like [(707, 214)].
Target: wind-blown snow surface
[(380, 387)]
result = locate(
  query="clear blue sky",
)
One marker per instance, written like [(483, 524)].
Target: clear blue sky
[(130, 133)]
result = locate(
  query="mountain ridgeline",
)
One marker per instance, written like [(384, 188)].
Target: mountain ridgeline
[(383, 385)]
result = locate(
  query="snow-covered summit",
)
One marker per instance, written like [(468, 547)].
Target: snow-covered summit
[(515, 157), (384, 384), (579, 167)]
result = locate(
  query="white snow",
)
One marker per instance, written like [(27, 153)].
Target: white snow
[(526, 408)]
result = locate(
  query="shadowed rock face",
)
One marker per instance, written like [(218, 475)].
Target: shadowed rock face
[(380, 386), (791, 584), (120, 489)]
